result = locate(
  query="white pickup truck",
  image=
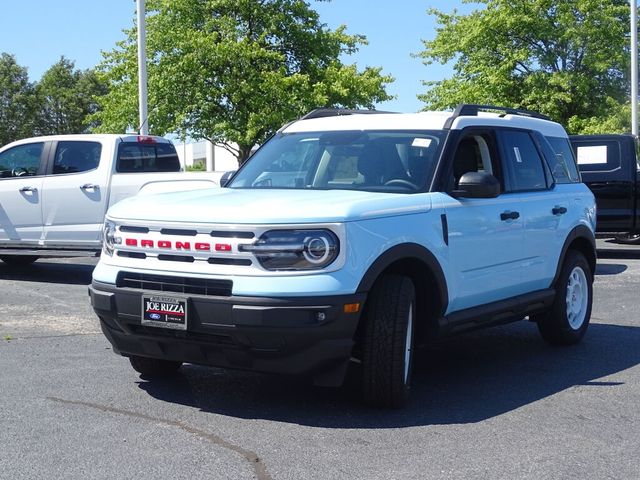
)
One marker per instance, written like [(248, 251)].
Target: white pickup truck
[(55, 190)]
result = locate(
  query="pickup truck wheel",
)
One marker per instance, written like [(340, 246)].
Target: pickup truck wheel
[(387, 348), (628, 238), (567, 321), (18, 260), (153, 367)]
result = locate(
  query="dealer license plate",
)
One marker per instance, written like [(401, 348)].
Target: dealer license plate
[(164, 312)]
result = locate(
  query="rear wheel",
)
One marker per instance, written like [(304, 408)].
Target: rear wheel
[(18, 260), (567, 321), (153, 367), (387, 349)]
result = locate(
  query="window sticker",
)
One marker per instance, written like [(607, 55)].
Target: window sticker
[(516, 150), (593, 155), (421, 142)]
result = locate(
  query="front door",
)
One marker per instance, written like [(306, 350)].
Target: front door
[(21, 169), (485, 234)]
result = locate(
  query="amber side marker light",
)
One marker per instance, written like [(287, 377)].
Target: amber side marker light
[(351, 307)]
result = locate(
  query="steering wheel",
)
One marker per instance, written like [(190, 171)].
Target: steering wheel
[(399, 182), (19, 172)]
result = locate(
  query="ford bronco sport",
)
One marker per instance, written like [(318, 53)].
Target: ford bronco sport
[(349, 237)]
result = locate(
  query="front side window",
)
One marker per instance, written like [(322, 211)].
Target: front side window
[(387, 161), (475, 152), (21, 161), (147, 157), (76, 157), (523, 163)]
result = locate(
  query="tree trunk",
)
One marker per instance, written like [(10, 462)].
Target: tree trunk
[(244, 152)]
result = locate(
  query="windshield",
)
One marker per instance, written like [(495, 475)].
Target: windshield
[(387, 161)]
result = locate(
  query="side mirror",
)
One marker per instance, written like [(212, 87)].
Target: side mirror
[(477, 185), (226, 178)]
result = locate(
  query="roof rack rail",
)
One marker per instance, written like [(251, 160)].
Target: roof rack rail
[(471, 110), (337, 112)]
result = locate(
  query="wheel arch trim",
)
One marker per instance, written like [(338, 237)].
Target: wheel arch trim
[(407, 251), (579, 233)]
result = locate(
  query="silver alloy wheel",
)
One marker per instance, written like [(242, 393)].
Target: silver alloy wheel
[(407, 344), (577, 298)]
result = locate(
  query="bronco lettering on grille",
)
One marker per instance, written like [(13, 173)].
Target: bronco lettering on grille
[(177, 245)]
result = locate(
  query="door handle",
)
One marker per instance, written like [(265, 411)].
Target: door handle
[(504, 216), (89, 186), (28, 189), (559, 210)]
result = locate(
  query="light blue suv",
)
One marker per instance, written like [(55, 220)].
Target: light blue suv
[(347, 239)]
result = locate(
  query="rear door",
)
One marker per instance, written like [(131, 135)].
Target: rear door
[(75, 193), (545, 207), (21, 170)]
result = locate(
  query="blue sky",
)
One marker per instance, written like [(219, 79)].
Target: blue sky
[(38, 32)]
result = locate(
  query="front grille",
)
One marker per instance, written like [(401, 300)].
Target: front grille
[(176, 231), (129, 229), (243, 262), (139, 255), (225, 234), (176, 258), (166, 283)]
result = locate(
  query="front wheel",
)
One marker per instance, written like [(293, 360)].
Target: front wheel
[(153, 367), (567, 321), (387, 349)]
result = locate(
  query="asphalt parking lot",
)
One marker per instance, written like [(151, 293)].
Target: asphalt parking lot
[(495, 404)]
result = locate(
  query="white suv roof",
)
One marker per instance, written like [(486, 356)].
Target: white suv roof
[(425, 121)]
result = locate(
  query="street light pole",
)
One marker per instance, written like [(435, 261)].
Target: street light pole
[(142, 69), (634, 67)]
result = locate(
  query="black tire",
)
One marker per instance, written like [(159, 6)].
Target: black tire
[(18, 260), (387, 346), (628, 238), (568, 320), (154, 367)]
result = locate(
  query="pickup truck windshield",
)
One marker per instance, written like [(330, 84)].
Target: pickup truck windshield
[(387, 161)]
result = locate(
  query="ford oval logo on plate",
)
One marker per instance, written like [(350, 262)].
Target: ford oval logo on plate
[(155, 316)]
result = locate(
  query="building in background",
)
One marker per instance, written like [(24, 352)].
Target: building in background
[(212, 157)]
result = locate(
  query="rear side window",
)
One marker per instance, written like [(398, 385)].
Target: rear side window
[(523, 163), (563, 164), (141, 157), (75, 157)]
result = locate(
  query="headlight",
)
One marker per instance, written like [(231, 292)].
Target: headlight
[(109, 239), (295, 249)]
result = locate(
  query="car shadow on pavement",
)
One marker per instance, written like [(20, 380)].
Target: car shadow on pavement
[(50, 272), (616, 251), (610, 269), (465, 379)]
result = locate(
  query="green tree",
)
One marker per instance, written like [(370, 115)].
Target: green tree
[(566, 58), (67, 98), (17, 101), (233, 71)]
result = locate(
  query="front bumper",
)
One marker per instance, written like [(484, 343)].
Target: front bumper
[(310, 336)]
